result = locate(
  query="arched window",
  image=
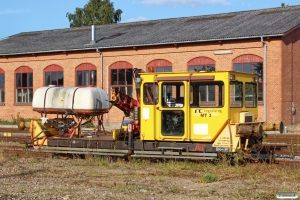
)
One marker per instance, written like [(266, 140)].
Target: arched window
[(251, 64), (159, 65), (24, 84), (2, 91), (201, 64), (86, 74), (54, 75), (121, 76)]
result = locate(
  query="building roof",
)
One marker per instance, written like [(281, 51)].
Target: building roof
[(227, 26)]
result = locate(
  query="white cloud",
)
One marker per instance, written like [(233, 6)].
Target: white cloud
[(137, 19), (11, 11), (186, 2)]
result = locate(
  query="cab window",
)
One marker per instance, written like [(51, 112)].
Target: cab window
[(172, 94), (207, 94), (250, 95), (236, 94), (150, 96)]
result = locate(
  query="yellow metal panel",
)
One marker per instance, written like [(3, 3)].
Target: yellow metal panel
[(227, 139), (148, 124), (206, 123), (115, 133), (7, 134)]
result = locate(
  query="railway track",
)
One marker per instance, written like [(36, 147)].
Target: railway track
[(285, 148)]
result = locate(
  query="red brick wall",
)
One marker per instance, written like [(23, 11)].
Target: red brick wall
[(290, 76), (179, 56)]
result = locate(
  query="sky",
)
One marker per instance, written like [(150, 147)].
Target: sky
[(18, 16)]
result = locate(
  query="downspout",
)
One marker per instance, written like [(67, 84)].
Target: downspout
[(265, 79), (101, 66), (107, 89), (292, 75), (101, 73)]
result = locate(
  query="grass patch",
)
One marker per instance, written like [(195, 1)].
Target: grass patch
[(14, 120), (208, 178)]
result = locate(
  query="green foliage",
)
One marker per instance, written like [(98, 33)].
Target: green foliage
[(7, 122), (88, 125), (173, 190), (95, 12), (14, 120), (208, 178)]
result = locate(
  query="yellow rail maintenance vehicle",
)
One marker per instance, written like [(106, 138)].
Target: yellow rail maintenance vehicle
[(176, 115)]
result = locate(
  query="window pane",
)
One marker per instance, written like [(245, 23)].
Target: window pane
[(24, 95), (260, 92), (18, 80), (201, 68), (206, 94), (30, 79), (24, 80), (202, 92), (2, 97), (79, 78), (129, 91), (211, 93), (236, 94), (86, 78), (30, 95), (93, 77), (1, 80), (54, 78), (250, 98), (168, 69), (248, 68), (114, 77), (172, 94), (238, 67), (123, 90), (47, 78), (192, 68), (19, 95), (129, 76), (159, 69), (121, 77), (258, 69), (60, 79), (150, 93), (172, 123), (211, 68), (192, 95)]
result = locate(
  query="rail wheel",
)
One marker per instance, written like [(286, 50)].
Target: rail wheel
[(254, 145)]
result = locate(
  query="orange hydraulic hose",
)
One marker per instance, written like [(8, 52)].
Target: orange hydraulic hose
[(75, 127)]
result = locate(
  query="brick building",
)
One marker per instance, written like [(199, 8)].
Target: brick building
[(265, 41)]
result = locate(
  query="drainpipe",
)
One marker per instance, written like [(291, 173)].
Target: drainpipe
[(107, 89), (101, 73), (265, 79), (101, 67)]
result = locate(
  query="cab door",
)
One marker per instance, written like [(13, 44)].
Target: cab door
[(149, 102), (171, 111)]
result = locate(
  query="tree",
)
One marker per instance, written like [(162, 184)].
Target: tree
[(283, 5), (95, 12)]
